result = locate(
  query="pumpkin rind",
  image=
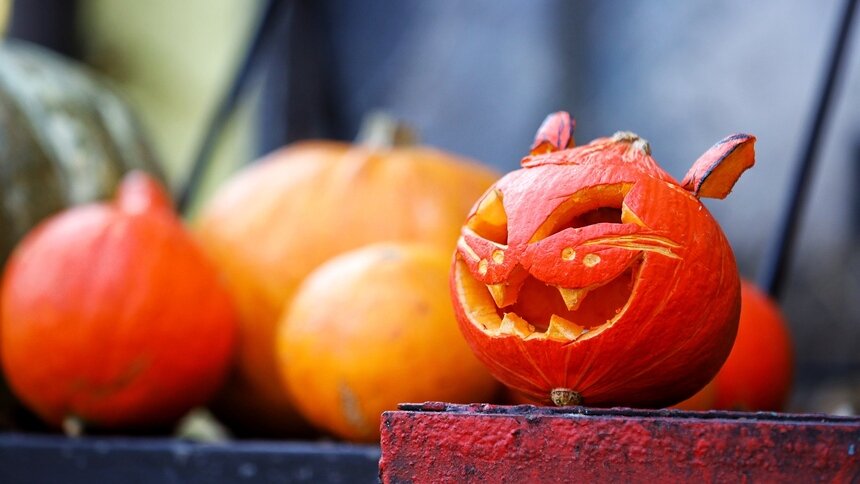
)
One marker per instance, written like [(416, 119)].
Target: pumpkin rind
[(715, 173), (661, 276)]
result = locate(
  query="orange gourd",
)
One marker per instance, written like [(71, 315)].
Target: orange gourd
[(111, 314), (279, 219), (372, 328), (590, 276)]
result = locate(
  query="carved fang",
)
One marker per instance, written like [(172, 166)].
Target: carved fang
[(515, 325), (498, 292), (503, 294), (572, 297), (563, 329)]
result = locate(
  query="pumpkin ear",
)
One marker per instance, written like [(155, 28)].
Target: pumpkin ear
[(554, 134), (715, 172)]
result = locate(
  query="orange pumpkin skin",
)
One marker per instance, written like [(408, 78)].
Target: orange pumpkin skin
[(277, 220), (590, 276), (112, 315), (758, 373)]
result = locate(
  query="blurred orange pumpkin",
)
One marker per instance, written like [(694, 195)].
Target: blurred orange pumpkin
[(372, 328), (111, 314), (277, 220)]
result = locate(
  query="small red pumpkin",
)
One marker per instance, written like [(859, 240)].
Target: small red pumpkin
[(590, 276), (112, 315)]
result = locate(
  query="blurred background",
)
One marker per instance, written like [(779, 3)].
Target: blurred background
[(478, 77)]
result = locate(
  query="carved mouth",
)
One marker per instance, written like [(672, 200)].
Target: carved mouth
[(532, 309), (593, 236)]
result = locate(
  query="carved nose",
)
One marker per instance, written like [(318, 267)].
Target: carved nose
[(591, 256), (587, 266)]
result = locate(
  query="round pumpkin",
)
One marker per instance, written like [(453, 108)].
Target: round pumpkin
[(65, 139), (372, 328), (758, 373), (111, 314), (277, 220), (590, 276)]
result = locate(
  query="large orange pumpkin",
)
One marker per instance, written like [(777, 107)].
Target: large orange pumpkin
[(371, 328), (277, 220), (111, 314), (758, 373), (590, 276)]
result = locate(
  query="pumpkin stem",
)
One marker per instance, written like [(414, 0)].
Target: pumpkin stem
[(554, 134), (73, 426), (138, 192), (634, 140), (563, 397), (381, 130)]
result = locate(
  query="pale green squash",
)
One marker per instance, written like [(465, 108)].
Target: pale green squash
[(65, 138)]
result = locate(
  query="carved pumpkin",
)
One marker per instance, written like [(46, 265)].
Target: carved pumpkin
[(111, 314), (590, 276), (274, 222)]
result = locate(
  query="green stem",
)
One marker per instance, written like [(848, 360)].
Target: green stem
[(381, 130)]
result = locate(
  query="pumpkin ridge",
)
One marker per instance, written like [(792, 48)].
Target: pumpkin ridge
[(521, 343)]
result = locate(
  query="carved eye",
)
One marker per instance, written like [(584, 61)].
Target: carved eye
[(490, 220), (589, 206)]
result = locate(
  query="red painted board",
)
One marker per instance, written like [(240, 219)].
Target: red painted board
[(438, 442)]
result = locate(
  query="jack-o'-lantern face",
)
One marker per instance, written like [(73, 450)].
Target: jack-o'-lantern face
[(591, 276)]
